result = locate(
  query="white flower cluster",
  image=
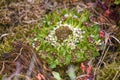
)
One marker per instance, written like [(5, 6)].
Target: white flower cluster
[(77, 36), (68, 15)]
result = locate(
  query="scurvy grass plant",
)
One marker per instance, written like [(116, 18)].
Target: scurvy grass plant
[(64, 39)]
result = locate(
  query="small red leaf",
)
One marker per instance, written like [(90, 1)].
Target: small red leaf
[(40, 77), (107, 13), (89, 70), (85, 78), (80, 79), (83, 67), (102, 34)]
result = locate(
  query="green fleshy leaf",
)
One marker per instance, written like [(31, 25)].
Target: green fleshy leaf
[(56, 75)]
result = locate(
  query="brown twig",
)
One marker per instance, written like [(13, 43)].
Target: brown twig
[(3, 67), (18, 55)]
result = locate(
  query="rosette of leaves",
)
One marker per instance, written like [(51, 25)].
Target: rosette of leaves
[(64, 39)]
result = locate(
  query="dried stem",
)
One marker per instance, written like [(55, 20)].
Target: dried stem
[(117, 73), (18, 55), (3, 67)]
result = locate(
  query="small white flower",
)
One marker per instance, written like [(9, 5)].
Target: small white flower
[(53, 44), (66, 15), (54, 29), (83, 32), (81, 37), (35, 39), (60, 22), (33, 45), (75, 29), (72, 45), (75, 16), (54, 41), (80, 10), (67, 25), (100, 43), (92, 35), (76, 35), (70, 41), (50, 36)]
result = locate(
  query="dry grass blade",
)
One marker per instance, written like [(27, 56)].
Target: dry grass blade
[(116, 75), (3, 67), (23, 62)]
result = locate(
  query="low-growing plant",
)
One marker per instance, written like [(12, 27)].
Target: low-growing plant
[(117, 2), (64, 38)]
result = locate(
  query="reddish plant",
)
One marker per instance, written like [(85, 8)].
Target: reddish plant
[(40, 77), (88, 72), (83, 67), (102, 34)]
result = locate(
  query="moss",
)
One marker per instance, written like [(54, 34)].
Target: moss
[(5, 47), (109, 72), (14, 33)]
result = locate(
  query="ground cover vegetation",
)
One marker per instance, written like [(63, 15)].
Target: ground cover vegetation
[(59, 40)]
